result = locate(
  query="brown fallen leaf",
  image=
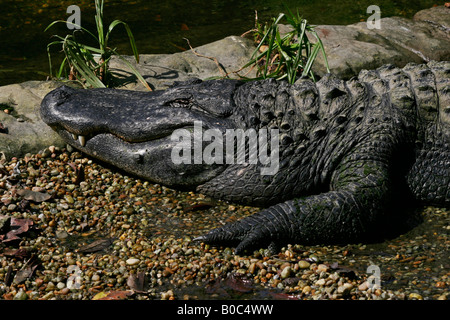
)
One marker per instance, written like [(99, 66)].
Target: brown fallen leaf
[(8, 277), (22, 223), (79, 173), (27, 270), (137, 282), (239, 282), (283, 296), (23, 226), (21, 253), (33, 195), (95, 246), (199, 206), (232, 285)]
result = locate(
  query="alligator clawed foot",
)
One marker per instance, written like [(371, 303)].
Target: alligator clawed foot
[(243, 235)]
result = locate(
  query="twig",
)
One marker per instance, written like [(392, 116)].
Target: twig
[(221, 69), (245, 75)]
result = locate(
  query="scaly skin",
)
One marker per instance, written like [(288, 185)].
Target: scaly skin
[(350, 151)]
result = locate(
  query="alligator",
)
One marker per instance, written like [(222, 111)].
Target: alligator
[(351, 153)]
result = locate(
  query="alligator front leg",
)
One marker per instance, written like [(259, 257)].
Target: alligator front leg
[(358, 195)]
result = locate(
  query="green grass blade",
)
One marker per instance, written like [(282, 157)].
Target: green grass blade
[(74, 24), (135, 72), (319, 42), (311, 58), (130, 36), (61, 68), (99, 24), (74, 56)]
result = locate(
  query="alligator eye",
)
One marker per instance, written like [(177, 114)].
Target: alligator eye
[(179, 103)]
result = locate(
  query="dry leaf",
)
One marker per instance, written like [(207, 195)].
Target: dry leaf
[(27, 270), (21, 253), (24, 226), (199, 206), (8, 277), (230, 286), (95, 246), (33, 195), (137, 282), (79, 172)]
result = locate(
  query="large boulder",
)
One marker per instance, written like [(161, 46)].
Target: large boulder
[(23, 130), (216, 59), (398, 41)]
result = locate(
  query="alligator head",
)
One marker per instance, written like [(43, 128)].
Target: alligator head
[(134, 130)]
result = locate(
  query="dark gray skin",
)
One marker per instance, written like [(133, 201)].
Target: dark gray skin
[(349, 150)]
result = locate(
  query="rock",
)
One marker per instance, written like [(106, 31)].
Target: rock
[(350, 50), (32, 134), (95, 277), (21, 295), (286, 272), (363, 286), (306, 289), (161, 70), (355, 47), (415, 296), (303, 264), (423, 39), (320, 282), (437, 16), (345, 288), (252, 268), (322, 268), (132, 261)]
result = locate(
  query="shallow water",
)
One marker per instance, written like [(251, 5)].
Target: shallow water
[(160, 26)]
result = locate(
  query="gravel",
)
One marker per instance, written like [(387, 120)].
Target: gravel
[(105, 235)]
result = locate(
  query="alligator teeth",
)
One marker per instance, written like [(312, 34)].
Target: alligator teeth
[(82, 140), (74, 136)]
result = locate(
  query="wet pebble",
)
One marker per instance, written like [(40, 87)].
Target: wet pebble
[(132, 261)]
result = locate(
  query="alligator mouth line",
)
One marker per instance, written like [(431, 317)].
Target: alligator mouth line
[(82, 139)]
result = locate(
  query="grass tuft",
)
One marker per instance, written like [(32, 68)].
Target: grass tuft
[(87, 64), (290, 56)]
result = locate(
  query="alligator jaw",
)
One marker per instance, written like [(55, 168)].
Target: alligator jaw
[(133, 130)]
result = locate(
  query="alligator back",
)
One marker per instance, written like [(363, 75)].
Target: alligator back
[(396, 115)]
